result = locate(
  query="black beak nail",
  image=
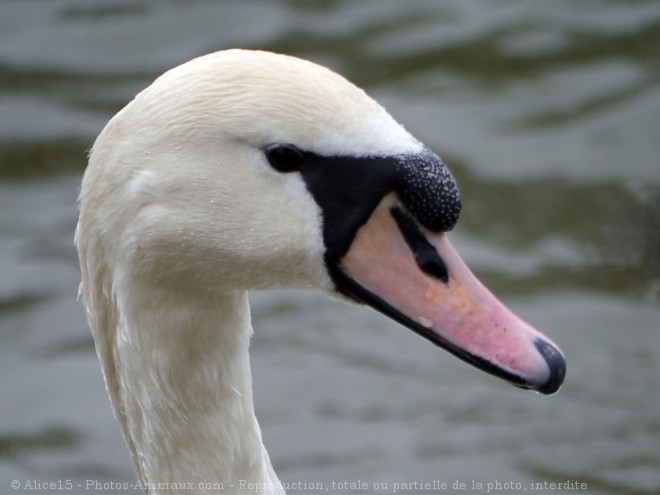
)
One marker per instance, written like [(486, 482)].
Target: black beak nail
[(556, 364)]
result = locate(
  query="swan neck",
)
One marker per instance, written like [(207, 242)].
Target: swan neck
[(180, 382)]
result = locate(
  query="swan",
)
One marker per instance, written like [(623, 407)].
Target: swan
[(244, 170)]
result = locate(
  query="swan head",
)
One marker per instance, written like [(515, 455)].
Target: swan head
[(250, 170)]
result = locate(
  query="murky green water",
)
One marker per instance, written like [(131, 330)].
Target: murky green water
[(548, 113)]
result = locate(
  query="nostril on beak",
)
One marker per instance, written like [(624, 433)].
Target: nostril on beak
[(432, 264), (427, 258), (556, 365)]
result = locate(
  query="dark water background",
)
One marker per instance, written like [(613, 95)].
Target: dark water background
[(548, 113)]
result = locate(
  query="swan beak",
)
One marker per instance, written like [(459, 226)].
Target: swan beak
[(418, 278)]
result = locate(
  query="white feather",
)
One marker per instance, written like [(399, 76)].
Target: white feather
[(180, 214)]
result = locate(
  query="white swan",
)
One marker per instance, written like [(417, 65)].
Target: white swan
[(248, 170)]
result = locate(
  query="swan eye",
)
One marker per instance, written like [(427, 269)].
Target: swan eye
[(284, 157)]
